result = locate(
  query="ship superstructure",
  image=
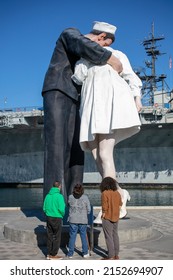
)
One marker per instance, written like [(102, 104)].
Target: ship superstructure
[(156, 94)]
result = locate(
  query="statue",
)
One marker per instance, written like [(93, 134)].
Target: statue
[(109, 108), (63, 157)]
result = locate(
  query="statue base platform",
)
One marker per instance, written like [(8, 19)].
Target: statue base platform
[(31, 229)]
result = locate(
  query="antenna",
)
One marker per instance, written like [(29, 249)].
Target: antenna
[(150, 82)]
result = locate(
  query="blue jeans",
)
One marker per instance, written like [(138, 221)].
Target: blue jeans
[(74, 229)]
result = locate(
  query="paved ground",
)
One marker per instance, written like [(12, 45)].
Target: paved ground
[(158, 247)]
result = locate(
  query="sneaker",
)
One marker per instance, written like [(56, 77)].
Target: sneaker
[(69, 257), (86, 256), (55, 257)]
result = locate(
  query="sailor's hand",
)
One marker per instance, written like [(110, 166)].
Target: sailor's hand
[(138, 103), (115, 63)]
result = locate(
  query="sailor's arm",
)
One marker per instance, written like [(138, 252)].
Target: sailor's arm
[(115, 63), (83, 47)]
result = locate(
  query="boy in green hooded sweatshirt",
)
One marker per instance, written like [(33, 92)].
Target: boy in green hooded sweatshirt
[(54, 209)]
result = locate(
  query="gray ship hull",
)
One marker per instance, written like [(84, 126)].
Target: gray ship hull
[(145, 158)]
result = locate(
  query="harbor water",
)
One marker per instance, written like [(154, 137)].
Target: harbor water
[(32, 197)]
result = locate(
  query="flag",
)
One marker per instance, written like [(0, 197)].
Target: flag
[(170, 62)]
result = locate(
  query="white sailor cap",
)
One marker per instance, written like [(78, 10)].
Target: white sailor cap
[(104, 27)]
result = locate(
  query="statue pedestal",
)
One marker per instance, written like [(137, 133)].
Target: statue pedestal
[(32, 230)]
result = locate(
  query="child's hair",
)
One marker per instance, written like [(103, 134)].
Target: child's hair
[(78, 191), (108, 183)]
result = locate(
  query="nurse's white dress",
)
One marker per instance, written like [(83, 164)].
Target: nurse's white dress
[(107, 100)]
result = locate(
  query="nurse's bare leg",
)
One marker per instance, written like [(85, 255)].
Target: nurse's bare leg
[(103, 152), (93, 146), (102, 149), (106, 148), (106, 154)]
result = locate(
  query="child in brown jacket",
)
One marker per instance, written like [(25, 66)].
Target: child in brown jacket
[(111, 204)]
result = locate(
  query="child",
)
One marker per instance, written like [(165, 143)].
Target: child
[(79, 208), (54, 208), (111, 203)]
